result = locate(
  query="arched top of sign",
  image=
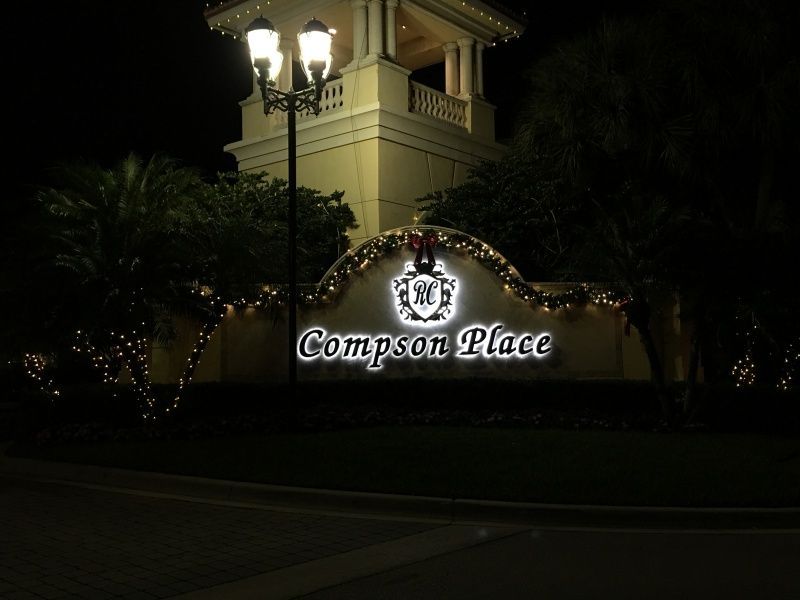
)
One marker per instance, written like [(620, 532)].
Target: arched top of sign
[(373, 250), (376, 248)]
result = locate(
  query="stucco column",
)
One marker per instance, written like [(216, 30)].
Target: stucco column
[(451, 68), (479, 68), (391, 29), (466, 65), (285, 76), (359, 29), (375, 9)]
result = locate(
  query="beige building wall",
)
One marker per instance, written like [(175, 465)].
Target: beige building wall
[(381, 178), (369, 143), (381, 138)]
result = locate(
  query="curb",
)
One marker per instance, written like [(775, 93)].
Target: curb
[(220, 490), (445, 510)]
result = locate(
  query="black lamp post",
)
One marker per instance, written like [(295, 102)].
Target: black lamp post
[(315, 55)]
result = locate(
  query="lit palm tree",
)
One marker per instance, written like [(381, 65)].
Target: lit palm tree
[(236, 239), (113, 236)]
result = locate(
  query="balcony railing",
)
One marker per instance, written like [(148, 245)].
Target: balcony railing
[(422, 100), (426, 101), (332, 100)]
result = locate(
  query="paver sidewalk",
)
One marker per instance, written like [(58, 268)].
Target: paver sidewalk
[(78, 531), (60, 541)]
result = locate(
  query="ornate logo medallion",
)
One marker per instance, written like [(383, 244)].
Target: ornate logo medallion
[(424, 292)]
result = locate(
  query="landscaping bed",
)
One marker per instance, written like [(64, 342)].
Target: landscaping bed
[(561, 442), (519, 464)]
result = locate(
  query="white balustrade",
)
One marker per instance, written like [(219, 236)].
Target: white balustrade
[(432, 103), (422, 100)]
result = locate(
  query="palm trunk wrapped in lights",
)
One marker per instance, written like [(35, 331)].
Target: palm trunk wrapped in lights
[(213, 319), (36, 369), (791, 357), (108, 361), (133, 350), (121, 350)]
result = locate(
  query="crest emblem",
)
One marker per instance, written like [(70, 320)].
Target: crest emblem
[(424, 292)]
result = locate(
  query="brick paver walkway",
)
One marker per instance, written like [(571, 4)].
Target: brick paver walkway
[(68, 542)]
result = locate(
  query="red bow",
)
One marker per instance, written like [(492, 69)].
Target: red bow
[(424, 241)]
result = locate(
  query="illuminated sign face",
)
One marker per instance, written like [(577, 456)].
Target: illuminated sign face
[(423, 295)]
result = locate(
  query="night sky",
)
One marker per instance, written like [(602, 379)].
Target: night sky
[(96, 80)]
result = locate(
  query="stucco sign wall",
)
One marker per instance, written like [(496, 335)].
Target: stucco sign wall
[(429, 308), (419, 303)]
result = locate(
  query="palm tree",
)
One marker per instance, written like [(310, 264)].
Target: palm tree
[(113, 236), (634, 241), (605, 114), (605, 109), (745, 93)]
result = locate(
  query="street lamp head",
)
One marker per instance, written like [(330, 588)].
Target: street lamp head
[(315, 50), (263, 40)]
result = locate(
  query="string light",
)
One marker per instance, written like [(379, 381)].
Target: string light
[(107, 362), (744, 371), (791, 358), (35, 367), (492, 18), (130, 352)]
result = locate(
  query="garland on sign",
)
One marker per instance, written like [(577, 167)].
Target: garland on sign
[(364, 256)]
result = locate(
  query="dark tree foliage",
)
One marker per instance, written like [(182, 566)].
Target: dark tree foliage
[(235, 233), (673, 136), (113, 254), (517, 207), (110, 242)]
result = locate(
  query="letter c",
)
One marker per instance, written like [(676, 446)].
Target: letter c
[(303, 352), (522, 341)]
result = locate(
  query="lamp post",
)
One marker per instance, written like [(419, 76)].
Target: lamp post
[(315, 56)]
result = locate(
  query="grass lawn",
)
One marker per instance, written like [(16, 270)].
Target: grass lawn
[(576, 467)]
